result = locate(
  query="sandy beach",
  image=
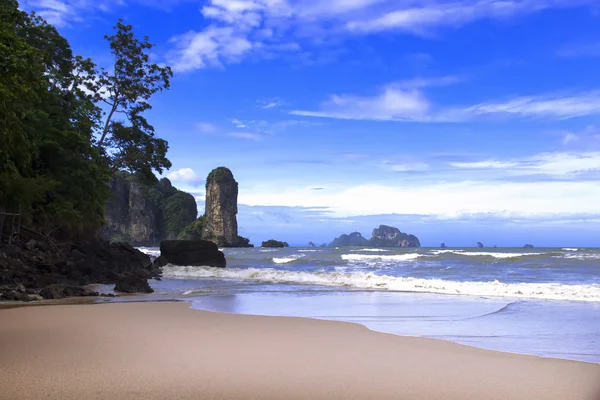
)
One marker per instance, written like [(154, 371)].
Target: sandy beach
[(169, 351)]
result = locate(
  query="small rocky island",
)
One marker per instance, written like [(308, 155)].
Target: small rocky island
[(528, 246), (480, 245), (384, 236), (274, 244)]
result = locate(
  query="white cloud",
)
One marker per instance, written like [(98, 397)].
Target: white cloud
[(247, 135), (184, 175), (210, 47), (399, 102), (580, 50), (392, 103), (238, 123), (570, 138), (205, 127), (551, 164), (431, 14), (406, 167), (554, 106), (590, 136), (63, 13), (234, 29), (446, 200)]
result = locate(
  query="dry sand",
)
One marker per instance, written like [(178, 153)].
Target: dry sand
[(169, 351)]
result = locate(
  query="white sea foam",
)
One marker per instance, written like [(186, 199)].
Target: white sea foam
[(380, 257), (286, 260), (581, 256), (484, 253), (569, 249), (371, 250), (267, 250), (151, 251), (309, 251), (363, 280)]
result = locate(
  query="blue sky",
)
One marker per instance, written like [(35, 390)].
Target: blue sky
[(458, 121)]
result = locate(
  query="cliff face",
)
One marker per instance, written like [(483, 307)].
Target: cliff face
[(220, 216), (143, 214), (387, 236), (353, 239), (384, 236)]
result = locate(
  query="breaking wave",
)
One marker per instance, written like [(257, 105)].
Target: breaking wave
[(371, 257), (362, 280), (286, 260), (371, 250)]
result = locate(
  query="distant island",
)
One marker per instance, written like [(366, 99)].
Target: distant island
[(274, 244), (384, 236), (528, 246)]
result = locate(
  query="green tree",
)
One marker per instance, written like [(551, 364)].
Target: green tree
[(130, 143)]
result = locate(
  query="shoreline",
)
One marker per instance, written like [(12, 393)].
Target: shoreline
[(137, 298), (141, 350)]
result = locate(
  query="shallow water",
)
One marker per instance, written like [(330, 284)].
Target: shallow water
[(543, 302)]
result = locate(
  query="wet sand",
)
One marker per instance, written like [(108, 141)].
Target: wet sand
[(169, 351)]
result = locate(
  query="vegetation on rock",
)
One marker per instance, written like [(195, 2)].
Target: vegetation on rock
[(193, 231), (384, 236), (219, 175), (59, 149)]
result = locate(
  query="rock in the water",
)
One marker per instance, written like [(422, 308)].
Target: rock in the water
[(160, 261), (192, 252), (220, 215), (480, 245), (387, 236), (274, 244), (353, 239), (528, 246), (133, 284), (311, 245), (443, 246)]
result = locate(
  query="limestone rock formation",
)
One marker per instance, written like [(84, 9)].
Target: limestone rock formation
[(387, 236), (528, 246), (220, 216), (480, 245), (274, 244), (143, 213), (353, 239), (192, 252), (384, 236)]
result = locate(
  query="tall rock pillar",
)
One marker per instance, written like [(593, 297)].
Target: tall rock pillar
[(220, 216)]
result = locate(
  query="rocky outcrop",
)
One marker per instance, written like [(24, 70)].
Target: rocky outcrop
[(528, 246), (220, 215), (480, 245), (274, 244), (143, 213), (311, 245), (387, 236), (384, 236), (133, 284), (55, 271), (192, 252), (443, 246), (353, 239)]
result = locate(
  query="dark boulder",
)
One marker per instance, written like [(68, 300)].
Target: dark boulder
[(160, 261), (62, 291), (133, 284), (192, 252)]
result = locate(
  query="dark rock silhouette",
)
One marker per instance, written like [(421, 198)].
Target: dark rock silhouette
[(443, 246), (353, 239), (480, 245), (192, 252), (528, 246), (274, 244)]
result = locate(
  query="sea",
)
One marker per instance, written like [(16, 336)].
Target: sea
[(543, 302)]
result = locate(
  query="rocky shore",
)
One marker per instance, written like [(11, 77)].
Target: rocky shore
[(38, 269)]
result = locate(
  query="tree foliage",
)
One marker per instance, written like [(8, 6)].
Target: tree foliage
[(193, 231), (129, 143), (52, 165)]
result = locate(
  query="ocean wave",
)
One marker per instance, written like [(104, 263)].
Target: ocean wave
[(151, 251), (371, 250), (569, 249), (485, 254), (286, 260), (363, 280), (595, 256), (309, 251), (380, 257)]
